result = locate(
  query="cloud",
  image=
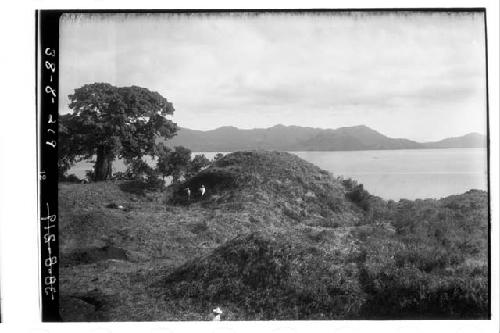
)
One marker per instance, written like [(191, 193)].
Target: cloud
[(252, 70)]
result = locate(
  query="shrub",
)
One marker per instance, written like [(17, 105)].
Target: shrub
[(359, 196), (198, 163), (139, 170), (217, 157), (409, 293), (349, 184)]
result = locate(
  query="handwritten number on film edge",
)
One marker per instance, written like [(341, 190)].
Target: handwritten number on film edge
[(50, 52), (50, 90), (51, 143), (51, 260), (49, 221), (51, 66)]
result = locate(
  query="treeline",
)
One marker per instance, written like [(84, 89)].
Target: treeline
[(177, 163), (130, 123)]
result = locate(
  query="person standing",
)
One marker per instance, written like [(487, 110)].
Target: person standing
[(188, 193), (202, 190), (216, 314)]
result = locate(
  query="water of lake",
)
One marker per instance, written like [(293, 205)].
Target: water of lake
[(393, 174), (410, 174)]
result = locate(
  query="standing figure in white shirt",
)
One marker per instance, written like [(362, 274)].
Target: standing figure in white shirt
[(216, 314)]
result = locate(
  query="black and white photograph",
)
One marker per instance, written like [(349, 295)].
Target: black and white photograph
[(258, 165)]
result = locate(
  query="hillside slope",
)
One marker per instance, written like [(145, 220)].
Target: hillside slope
[(228, 138), (354, 138), (274, 237), (297, 138), (471, 140)]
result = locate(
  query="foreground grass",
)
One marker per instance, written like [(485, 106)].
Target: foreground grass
[(275, 238)]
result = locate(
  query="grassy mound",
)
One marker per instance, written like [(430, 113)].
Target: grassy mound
[(274, 237), (262, 276), (281, 181)]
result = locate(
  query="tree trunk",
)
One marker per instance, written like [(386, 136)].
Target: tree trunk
[(104, 161)]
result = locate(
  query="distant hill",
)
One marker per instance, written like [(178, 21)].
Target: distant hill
[(354, 138), (471, 140), (296, 138), (228, 138)]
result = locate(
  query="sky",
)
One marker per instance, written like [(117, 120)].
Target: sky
[(416, 76)]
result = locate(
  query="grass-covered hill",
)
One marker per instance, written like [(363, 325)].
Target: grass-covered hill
[(274, 237)]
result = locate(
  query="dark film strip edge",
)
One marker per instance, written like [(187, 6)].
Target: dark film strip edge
[(48, 71)]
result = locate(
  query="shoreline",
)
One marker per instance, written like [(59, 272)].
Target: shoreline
[(389, 174)]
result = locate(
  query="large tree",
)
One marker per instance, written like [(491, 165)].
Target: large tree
[(109, 122)]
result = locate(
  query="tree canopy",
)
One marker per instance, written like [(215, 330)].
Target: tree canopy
[(109, 122), (175, 163), (198, 163)]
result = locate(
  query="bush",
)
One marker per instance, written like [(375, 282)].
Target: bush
[(427, 258), (409, 293), (359, 196), (217, 157), (349, 184), (139, 170), (198, 163)]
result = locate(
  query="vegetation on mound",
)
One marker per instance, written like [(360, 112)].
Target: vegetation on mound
[(273, 238), (416, 259), (268, 277), (434, 264), (301, 190)]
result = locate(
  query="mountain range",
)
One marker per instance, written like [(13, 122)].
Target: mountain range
[(297, 138)]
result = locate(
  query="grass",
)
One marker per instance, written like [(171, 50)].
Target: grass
[(274, 237)]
